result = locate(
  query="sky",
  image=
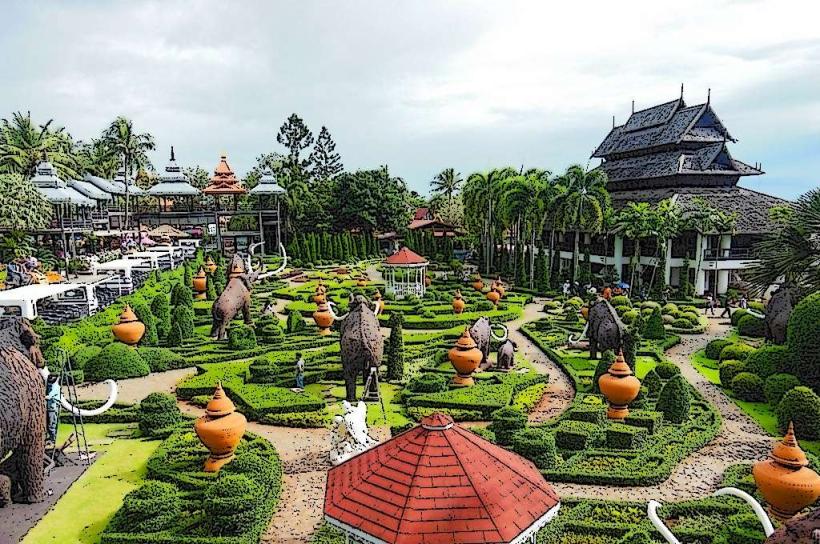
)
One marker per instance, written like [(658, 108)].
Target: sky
[(420, 85)]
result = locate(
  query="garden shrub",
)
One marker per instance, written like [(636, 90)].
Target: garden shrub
[(162, 359), (143, 313), (748, 387), (158, 412), (182, 295), (667, 369), (714, 347), (667, 319), (669, 308), (621, 300), (802, 339), (692, 317), (271, 333), (802, 407), (740, 529), (624, 437), (162, 312), (653, 330), (231, 503), (650, 304), (767, 360), (757, 306), (589, 414), (674, 400), (683, 324), (83, 355), (630, 316), (576, 435), (622, 309), (777, 385), (689, 308), (175, 337), (607, 358), (738, 352), (483, 306), (184, 317), (253, 466), (537, 445), (428, 383), (652, 382), (116, 361), (394, 347), (750, 325), (295, 322), (728, 369), (150, 508), (505, 422), (241, 337), (737, 314), (649, 420)]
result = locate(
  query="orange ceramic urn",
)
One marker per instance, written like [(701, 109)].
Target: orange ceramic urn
[(361, 281), (129, 330), (494, 296), (585, 312), (220, 430), (210, 265), (498, 285), (458, 303), (200, 283), (465, 358), (377, 299), (319, 294), (323, 318), (620, 387), (784, 479), (478, 285)]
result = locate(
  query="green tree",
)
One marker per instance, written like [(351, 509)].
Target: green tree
[(674, 400), (22, 207), (481, 197), (370, 200), (447, 183), (162, 311), (132, 147), (23, 144), (635, 221), (327, 163), (394, 350)]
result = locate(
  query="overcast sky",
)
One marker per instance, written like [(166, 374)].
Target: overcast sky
[(420, 85)]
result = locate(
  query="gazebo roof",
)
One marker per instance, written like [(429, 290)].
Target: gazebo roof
[(405, 257), (173, 181), (120, 181), (54, 189), (438, 483), (267, 185), (167, 230), (224, 180)]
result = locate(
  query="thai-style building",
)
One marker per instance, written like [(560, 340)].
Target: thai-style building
[(679, 152)]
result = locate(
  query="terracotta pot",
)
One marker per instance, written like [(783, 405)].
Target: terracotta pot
[(236, 271), (465, 358), (620, 387), (478, 285), (499, 286), (220, 430), (210, 265), (200, 283), (585, 312), (494, 296), (361, 282), (784, 479), (458, 303), (323, 318), (130, 329)]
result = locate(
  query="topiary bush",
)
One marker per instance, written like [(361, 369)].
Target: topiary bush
[(691, 317), (749, 387), (777, 385), (630, 316), (674, 400), (428, 383), (621, 300), (158, 411), (116, 361), (394, 347), (182, 295), (149, 509), (683, 324), (231, 504), (802, 339), (143, 313), (162, 359), (654, 330), (714, 347), (652, 382), (184, 317), (175, 337), (749, 325), (295, 322), (737, 314), (728, 369), (767, 360), (83, 355), (739, 352), (669, 308), (506, 421), (802, 407), (162, 312), (667, 369), (607, 358), (241, 337), (537, 445)]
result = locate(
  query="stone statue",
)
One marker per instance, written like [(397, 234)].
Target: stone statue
[(348, 434), (604, 329), (778, 311), (799, 529), (506, 355), (362, 344), (481, 331)]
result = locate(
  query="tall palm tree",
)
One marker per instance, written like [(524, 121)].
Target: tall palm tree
[(666, 224), (132, 146), (481, 195), (97, 158), (23, 143), (582, 206), (447, 183), (635, 221)]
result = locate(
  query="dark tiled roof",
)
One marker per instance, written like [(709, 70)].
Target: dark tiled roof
[(751, 206), (650, 117)]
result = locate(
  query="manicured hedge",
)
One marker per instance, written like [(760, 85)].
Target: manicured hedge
[(736, 351), (654, 330), (802, 339), (651, 421), (427, 383), (667, 369), (737, 314), (151, 508), (241, 337), (714, 347), (749, 387), (750, 325), (728, 369), (576, 435), (777, 385), (537, 445), (162, 359), (674, 400), (507, 421), (624, 437), (588, 414), (116, 361), (158, 414), (802, 407), (767, 360)]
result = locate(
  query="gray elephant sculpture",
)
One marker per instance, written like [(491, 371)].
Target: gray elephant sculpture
[(361, 341), (234, 298), (506, 355), (604, 329), (17, 333), (22, 428), (778, 311), (482, 332)]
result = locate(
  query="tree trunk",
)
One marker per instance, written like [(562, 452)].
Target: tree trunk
[(532, 259), (127, 221), (575, 251), (635, 266)]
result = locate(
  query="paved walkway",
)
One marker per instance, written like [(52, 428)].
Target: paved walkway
[(133, 390)]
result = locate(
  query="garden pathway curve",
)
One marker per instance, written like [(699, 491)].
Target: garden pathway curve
[(740, 439)]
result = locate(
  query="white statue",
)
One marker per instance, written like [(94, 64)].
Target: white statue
[(348, 434)]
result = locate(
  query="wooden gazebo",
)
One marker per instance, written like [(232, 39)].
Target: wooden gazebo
[(405, 271)]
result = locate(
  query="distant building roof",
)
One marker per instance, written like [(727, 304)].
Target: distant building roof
[(88, 189), (224, 180), (439, 227), (438, 482), (267, 185), (54, 189), (422, 213), (102, 184), (405, 257), (173, 182)]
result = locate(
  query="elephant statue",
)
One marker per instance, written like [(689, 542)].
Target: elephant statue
[(362, 344), (17, 333), (506, 355), (22, 428), (778, 310), (482, 331), (604, 329)]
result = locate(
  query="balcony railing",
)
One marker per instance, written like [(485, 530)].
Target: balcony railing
[(734, 253)]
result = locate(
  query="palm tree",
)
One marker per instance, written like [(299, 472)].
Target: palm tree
[(666, 222), (447, 183), (97, 158), (635, 221), (132, 147), (481, 194), (582, 206), (22, 145)]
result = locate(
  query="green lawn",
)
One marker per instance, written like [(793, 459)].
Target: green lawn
[(395, 412), (83, 512)]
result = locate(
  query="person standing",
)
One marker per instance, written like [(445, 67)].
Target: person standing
[(727, 312), (710, 304), (53, 396), (300, 372), (743, 302)]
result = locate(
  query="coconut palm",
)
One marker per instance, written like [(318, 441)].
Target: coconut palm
[(635, 221), (481, 195), (447, 183), (97, 158), (132, 147), (23, 145), (666, 224), (582, 206)]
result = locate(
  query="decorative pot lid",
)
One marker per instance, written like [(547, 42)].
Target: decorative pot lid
[(220, 405), (128, 315), (787, 452), (619, 368), (458, 294), (377, 295), (466, 340), (237, 269), (200, 273)]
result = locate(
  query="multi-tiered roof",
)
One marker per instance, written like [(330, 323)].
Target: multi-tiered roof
[(224, 181), (173, 182)]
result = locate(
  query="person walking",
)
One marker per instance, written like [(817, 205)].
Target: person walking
[(724, 301), (743, 302), (300, 372), (710, 305), (53, 396)]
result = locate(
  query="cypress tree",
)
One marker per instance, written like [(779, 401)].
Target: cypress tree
[(395, 348), (143, 313), (210, 288), (184, 317), (175, 337), (653, 383), (654, 330), (162, 312), (187, 276), (182, 295), (674, 400)]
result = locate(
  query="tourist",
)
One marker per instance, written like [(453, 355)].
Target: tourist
[(268, 309), (743, 302), (607, 292), (724, 301), (300, 372), (565, 289), (53, 396), (710, 304)]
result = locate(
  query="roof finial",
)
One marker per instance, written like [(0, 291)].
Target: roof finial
[(708, 95), (633, 106), (681, 91), (172, 154), (613, 121)]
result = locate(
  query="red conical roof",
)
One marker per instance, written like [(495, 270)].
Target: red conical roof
[(438, 483), (405, 256), (224, 181)]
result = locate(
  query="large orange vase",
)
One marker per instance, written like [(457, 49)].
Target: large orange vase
[(494, 296), (200, 283), (784, 479), (465, 358), (210, 265), (498, 285), (458, 303), (323, 318), (130, 329), (478, 285), (319, 295), (620, 387), (220, 430)]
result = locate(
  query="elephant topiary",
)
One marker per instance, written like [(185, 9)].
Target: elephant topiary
[(778, 311), (362, 344), (506, 355), (604, 329), (481, 331)]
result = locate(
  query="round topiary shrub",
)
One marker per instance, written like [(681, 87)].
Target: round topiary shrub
[(683, 324), (537, 445), (116, 361), (737, 314), (767, 360), (231, 503), (429, 382), (653, 330), (801, 406), (728, 369), (667, 369), (162, 359), (148, 509), (505, 422), (158, 411), (802, 339), (483, 306), (667, 319), (692, 317), (748, 387), (83, 355), (689, 308), (253, 466), (714, 347), (621, 300), (630, 316), (607, 358), (674, 400), (622, 309), (739, 352), (749, 325), (669, 308), (241, 337), (575, 302), (650, 304), (777, 385)]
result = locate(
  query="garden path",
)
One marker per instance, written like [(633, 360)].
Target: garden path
[(133, 390), (740, 439)]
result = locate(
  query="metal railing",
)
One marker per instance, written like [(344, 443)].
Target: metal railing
[(720, 254)]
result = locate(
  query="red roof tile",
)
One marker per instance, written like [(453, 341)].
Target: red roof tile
[(224, 180), (438, 483), (421, 213), (405, 256)]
